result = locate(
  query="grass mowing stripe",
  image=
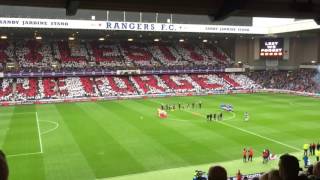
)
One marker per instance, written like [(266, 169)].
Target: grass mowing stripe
[(158, 155), (99, 148), (22, 135), (62, 158), (258, 135), (195, 131), (253, 133), (175, 141), (272, 140), (214, 146), (21, 140), (5, 122), (79, 148), (235, 143)]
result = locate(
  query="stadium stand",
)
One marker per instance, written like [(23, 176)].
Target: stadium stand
[(299, 80), (88, 56), (105, 55), (6, 92), (22, 89), (32, 55)]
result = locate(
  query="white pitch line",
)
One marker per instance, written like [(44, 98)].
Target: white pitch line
[(255, 134), (22, 154), (258, 135), (39, 134), (50, 130), (11, 114)]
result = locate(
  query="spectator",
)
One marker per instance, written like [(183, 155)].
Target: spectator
[(4, 170), (316, 171), (217, 173), (305, 160), (239, 175), (271, 175), (274, 175), (264, 176), (288, 167)]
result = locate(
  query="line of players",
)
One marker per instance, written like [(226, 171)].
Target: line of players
[(179, 106), (215, 116)]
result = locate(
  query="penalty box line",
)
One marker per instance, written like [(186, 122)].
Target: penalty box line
[(23, 154), (39, 136), (252, 133)]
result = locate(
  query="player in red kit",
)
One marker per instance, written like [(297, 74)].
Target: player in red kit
[(244, 153), (250, 152)]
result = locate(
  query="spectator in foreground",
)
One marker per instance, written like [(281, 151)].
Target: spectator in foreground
[(289, 167), (4, 170), (264, 176), (316, 171), (271, 175), (274, 175), (217, 173)]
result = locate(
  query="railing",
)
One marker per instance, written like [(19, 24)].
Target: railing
[(105, 73)]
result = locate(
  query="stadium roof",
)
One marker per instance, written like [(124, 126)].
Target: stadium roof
[(271, 26)]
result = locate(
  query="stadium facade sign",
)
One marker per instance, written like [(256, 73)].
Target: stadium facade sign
[(51, 23), (158, 27), (126, 26), (167, 27), (235, 70)]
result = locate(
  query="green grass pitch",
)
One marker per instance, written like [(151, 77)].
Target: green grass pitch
[(126, 140)]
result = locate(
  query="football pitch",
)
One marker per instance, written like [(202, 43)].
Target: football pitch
[(125, 139)]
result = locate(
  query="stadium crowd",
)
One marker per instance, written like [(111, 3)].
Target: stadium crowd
[(32, 55), (23, 89), (46, 56), (299, 80)]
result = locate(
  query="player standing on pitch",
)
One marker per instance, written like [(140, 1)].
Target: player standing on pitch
[(246, 116), (244, 153)]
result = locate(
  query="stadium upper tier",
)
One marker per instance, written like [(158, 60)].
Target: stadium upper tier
[(35, 56)]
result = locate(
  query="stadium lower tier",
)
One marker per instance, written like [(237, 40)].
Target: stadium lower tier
[(24, 89)]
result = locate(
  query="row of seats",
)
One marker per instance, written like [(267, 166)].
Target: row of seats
[(32, 55), (71, 87)]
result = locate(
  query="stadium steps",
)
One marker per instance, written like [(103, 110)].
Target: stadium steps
[(14, 88), (56, 87)]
